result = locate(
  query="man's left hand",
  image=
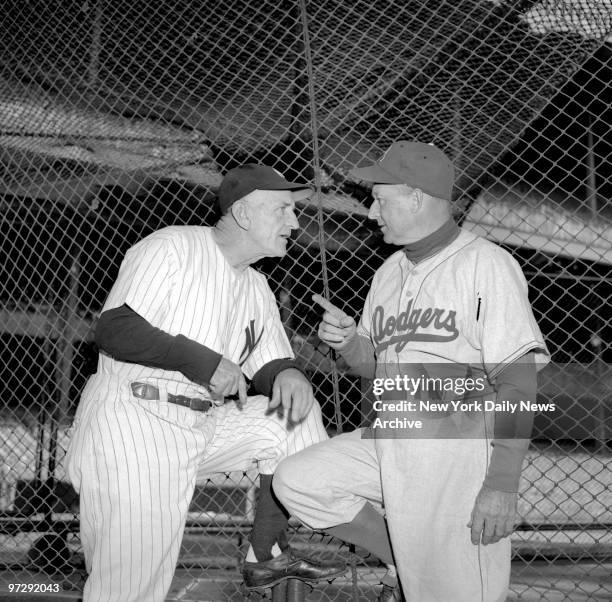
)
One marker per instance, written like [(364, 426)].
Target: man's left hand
[(293, 392), (494, 516)]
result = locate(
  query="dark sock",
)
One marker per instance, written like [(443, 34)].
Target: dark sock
[(283, 540), (367, 530), (270, 522)]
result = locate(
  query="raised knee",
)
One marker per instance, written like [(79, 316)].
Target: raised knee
[(284, 482)]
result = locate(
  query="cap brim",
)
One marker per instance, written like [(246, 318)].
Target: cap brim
[(281, 185), (375, 174), (301, 194)]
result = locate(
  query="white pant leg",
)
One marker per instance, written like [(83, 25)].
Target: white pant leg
[(429, 487), (327, 484), (134, 464), (251, 437)]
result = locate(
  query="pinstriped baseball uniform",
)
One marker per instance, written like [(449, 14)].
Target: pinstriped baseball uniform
[(135, 462)]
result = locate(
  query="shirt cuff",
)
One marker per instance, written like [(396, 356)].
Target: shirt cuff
[(263, 380)]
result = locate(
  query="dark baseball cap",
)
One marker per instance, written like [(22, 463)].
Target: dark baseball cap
[(416, 164), (240, 181)]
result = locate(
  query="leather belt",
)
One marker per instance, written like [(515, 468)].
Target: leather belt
[(151, 392)]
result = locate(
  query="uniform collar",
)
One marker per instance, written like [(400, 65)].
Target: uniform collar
[(432, 243)]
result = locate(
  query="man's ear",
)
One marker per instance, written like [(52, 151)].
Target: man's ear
[(417, 200), (241, 214)]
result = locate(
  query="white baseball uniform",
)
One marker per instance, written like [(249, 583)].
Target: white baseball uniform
[(135, 462), (467, 304)]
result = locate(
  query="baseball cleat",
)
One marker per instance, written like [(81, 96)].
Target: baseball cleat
[(288, 566)]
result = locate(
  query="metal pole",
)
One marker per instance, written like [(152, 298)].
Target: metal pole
[(65, 354), (279, 592), (296, 590), (596, 340)]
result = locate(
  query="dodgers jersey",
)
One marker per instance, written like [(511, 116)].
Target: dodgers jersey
[(467, 304), (179, 280)]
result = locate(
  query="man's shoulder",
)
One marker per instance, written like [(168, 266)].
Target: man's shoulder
[(181, 239), (468, 243), (182, 231), (476, 254), (176, 233)]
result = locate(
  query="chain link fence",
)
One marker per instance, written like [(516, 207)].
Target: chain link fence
[(119, 118)]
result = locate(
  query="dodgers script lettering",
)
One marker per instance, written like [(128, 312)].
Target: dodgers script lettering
[(400, 330)]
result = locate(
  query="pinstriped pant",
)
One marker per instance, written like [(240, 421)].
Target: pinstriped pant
[(135, 463)]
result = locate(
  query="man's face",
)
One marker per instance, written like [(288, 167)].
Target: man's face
[(392, 210), (272, 214)]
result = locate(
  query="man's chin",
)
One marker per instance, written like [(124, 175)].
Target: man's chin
[(280, 250), (389, 238)]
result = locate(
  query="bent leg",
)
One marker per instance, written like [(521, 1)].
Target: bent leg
[(335, 486), (328, 484), (250, 436)]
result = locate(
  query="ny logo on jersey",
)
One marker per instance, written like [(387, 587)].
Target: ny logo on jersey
[(250, 343)]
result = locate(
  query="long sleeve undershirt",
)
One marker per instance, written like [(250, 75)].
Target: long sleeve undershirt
[(126, 336), (512, 431)]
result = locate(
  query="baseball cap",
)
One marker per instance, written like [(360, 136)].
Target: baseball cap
[(240, 181), (416, 164)]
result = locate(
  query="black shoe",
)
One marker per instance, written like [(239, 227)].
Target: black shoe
[(390, 593), (288, 566)]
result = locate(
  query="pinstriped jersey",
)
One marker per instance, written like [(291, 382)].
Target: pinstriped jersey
[(179, 280), (466, 304)]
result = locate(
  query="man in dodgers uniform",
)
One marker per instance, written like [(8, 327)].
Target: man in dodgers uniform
[(447, 303), (185, 322)]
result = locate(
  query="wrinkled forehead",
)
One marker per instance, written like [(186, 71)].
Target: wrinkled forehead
[(270, 198), (390, 191)]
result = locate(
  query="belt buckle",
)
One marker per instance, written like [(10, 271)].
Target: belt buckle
[(193, 403), (144, 391), (199, 405)]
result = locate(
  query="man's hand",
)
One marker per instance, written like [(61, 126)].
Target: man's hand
[(228, 380), (494, 516), (337, 329), (293, 392)]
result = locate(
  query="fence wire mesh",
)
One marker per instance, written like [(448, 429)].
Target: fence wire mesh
[(118, 118)]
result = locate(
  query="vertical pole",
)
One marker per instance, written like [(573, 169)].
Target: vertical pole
[(296, 590), (286, 306), (279, 592), (595, 340), (591, 181), (251, 501), (65, 355)]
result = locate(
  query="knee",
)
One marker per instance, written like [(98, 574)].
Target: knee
[(284, 483), (293, 480), (311, 427)]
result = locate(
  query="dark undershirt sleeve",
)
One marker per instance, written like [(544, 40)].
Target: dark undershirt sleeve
[(263, 379), (128, 337), (512, 431), (359, 355)]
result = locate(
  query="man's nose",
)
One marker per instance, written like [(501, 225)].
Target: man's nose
[(373, 213), (292, 222)]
